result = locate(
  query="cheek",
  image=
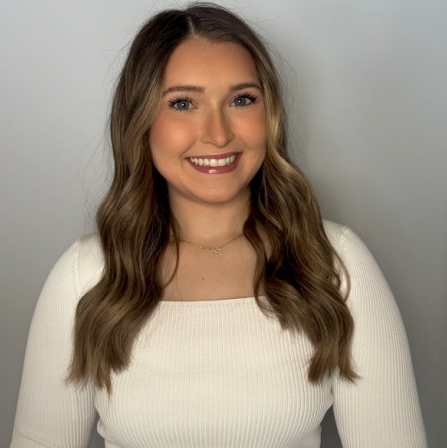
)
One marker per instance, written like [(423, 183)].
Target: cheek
[(170, 136), (253, 130)]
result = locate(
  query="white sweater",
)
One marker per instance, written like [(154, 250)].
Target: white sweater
[(219, 373)]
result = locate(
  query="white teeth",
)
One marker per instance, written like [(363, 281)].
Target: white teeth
[(213, 162)]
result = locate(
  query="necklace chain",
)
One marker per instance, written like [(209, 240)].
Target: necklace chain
[(214, 250)]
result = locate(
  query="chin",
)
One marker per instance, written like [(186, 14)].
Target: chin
[(223, 197)]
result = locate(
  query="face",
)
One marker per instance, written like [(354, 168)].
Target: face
[(208, 139)]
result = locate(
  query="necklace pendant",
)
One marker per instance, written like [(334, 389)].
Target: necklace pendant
[(216, 251)]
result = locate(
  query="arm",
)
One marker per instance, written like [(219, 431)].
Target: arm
[(382, 409), (49, 413)]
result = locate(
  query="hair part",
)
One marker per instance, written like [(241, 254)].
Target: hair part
[(301, 276)]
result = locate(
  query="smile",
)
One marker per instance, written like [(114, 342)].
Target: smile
[(225, 161), (219, 164)]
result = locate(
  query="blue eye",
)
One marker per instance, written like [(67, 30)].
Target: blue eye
[(180, 104), (244, 100)]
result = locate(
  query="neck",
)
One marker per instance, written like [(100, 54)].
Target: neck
[(209, 224)]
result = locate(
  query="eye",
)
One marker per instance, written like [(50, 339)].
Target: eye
[(244, 100), (180, 104)]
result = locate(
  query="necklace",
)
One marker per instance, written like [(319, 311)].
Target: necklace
[(214, 250)]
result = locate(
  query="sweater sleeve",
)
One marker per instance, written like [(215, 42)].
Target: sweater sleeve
[(382, 408), (50, 413)]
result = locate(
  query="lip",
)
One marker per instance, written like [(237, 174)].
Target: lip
[(216, 156), (216, 169)]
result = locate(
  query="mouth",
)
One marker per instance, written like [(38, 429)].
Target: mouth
[(213, 161), (215, 164)]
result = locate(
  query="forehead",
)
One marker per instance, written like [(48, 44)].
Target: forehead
[(200, 61)]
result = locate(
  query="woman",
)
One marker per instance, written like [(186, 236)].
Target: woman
[(214, 307)]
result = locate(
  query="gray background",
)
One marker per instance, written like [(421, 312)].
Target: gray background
[(368, 111)]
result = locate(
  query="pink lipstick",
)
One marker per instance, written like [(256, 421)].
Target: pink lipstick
[(215, 164)]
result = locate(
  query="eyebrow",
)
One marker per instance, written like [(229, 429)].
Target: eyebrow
[(199, 89)]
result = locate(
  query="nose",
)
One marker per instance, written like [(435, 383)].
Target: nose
[(217, 128)]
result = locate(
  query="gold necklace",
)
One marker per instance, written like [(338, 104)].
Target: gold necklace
[(214, 250)]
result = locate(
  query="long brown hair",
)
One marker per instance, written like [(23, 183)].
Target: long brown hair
[(301, 277)]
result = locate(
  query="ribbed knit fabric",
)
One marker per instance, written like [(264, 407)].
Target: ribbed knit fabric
[(220, 373)]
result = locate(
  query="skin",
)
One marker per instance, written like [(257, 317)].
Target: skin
[(212, 120)]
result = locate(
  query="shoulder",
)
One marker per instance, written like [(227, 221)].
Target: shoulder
[(369, 289), (80, 266), (77, 270), (89, 261), (362, 268), (348, 245), (336, 234)]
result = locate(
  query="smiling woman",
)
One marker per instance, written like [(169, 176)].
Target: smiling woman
[(219, 128), (215, 307)]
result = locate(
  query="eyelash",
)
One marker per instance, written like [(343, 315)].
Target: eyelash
[(250, 96), (179, 99)]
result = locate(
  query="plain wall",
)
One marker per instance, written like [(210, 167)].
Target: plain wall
[(368, 114)]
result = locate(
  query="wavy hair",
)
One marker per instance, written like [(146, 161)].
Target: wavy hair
[(302, 274)]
